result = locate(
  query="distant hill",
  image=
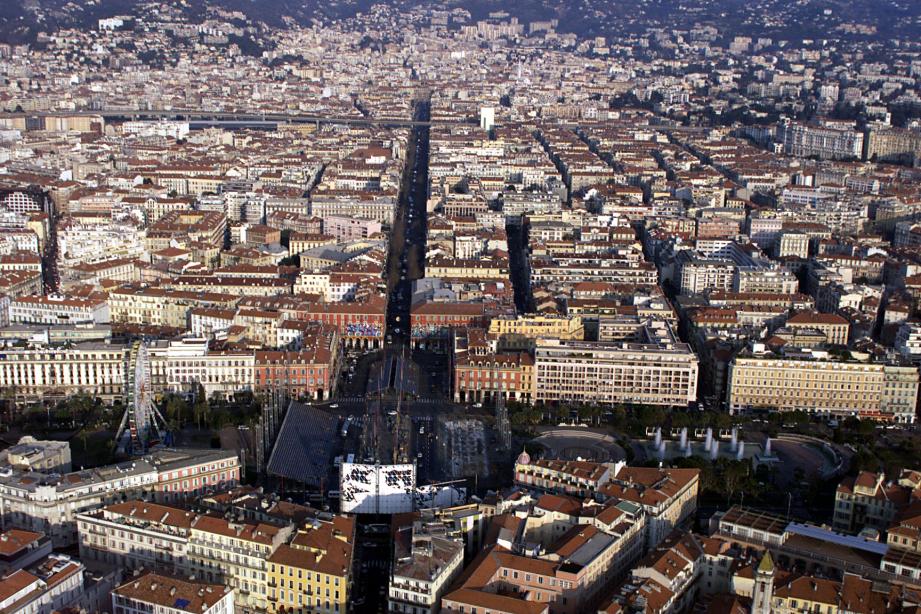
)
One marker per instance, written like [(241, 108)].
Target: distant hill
[(22, 20)]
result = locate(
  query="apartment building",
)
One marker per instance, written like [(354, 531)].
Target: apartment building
[(827, 142), (156, 306), (425, 563), (187, 227), (666, 580), (154, 592), (480, 377), (807, 594), (553, 517), (813, 381), (657, 372), (205, 322), (888, 144), (791, 243), (136, 534), (907, 234), (522, 330), (263, 283), (20, 283), (52, 585), (360, 323), (463, 600), (350, 228), (50, 502), (377, 206), (333, 285), (48, 373), (20, 549), (547, 271), (699, 274), (20, 261), (569, 579), (905, 533), (24, 200), (575, 478), (187, 473), (870, 500), (310, 372), (181, 365), (667, 496), (835, 328), (84, 241), (467, 268), (270, 567), (121, 270), (764, 280), (313, 572), (235, 554), (432, 323), (56, 309)]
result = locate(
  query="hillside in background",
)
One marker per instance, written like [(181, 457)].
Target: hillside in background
[(22, 20)]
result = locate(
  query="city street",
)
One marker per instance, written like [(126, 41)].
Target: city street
[(391, 368), (406, 259)]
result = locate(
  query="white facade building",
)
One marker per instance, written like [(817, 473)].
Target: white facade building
[(54, 309)]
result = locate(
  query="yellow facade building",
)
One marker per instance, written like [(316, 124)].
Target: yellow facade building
[(312, 573)]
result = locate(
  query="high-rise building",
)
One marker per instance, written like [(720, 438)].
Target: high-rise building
[(658, 370), (487, 118), (825, 142)]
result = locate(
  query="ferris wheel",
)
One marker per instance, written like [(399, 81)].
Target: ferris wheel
[(142, 424)]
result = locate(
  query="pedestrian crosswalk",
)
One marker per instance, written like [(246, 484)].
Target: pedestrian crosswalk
[(423, 400)]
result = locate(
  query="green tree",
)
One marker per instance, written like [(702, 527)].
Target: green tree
[(561, 413), (866, 428), (708, 481), (201, 409), (589, 413), (721, 420), (734, 474), (650, 416), (174, 407), (618, 417)]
